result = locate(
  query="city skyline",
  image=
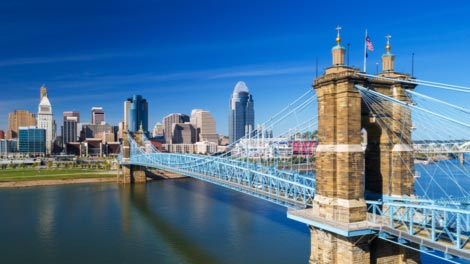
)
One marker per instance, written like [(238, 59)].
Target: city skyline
[(100, 54)]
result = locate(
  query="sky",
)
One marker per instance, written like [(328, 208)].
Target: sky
[(183, 55)]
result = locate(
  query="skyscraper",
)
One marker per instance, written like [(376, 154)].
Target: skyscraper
[(205, 126), (127, 107), (45, 119), (97, 116), (136, 109), (241, 112), (168, 122), (17, 119), (158, 130), (69, 129), (183, 133)]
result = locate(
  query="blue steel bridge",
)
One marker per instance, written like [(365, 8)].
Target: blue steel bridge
[(434, 219)]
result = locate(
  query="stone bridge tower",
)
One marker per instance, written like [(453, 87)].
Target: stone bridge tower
[(345, 172), (131, 173)]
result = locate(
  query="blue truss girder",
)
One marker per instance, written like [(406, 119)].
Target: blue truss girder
[(429, 225), (287, 188)]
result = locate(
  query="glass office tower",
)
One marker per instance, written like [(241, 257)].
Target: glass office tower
[(137, 113), (241, 112)]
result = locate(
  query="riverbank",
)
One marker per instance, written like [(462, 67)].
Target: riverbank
[(34, 177), (19, 184)]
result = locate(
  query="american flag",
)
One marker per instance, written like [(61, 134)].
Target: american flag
[(369, 44)]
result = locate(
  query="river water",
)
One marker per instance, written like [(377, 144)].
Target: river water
[(172, 221)]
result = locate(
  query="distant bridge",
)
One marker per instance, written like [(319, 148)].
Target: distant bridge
[(442, 147)]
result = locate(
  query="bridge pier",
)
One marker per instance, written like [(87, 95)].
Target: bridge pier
[(384, 252), (133, 174), (327, 247)]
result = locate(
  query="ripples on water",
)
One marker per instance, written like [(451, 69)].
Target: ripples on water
[(180, 221), (175, 221)]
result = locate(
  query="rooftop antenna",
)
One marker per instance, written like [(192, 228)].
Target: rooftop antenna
[(412, 65)]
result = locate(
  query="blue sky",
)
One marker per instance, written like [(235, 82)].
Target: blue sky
[(182, 55)]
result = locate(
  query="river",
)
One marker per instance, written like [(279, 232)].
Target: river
[(171, 221)]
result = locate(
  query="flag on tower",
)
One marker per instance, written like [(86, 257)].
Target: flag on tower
[(369, 43), (367, 46)]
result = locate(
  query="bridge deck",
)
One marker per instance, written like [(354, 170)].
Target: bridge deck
[(381, 225), (310, 217), (422, 238)]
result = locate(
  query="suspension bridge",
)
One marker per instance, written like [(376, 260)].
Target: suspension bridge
[(361, 188)]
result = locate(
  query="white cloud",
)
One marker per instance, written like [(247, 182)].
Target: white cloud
[(46, 60), (262, 72)]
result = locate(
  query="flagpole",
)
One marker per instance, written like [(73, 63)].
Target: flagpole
[(365, 52)]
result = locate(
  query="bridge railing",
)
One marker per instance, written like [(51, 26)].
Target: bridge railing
[(425, 223)]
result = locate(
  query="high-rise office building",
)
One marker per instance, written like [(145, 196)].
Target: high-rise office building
[(69, 128), (17, 119), (2, 134), (158, 130), (204, 124), (32, 140), (127, 107), (136, 113), (45, 119), (183, 133), (168, 122), (241, 112), (96, 131), (75, 114), (97, 116)]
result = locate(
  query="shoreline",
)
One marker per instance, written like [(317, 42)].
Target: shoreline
[(22, 184)]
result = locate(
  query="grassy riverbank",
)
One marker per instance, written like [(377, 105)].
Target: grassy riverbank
[(31, 174)]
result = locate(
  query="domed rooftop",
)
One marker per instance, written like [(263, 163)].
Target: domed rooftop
[(241, 87)]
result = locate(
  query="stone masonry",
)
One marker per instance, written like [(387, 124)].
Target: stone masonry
[(344, 171)]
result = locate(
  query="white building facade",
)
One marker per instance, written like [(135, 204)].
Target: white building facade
[(45, 119)]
